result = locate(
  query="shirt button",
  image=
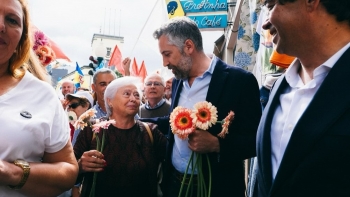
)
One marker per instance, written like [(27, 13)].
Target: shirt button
[(290, 127)]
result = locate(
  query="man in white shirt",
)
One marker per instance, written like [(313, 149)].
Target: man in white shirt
[(303, 142)]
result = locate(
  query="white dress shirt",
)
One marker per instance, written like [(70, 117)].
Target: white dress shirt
[(293, 102)]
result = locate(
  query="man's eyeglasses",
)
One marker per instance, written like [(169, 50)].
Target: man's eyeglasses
[(73, 105), (155, 83)]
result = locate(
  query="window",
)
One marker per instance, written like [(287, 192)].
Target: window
[(108, 51)]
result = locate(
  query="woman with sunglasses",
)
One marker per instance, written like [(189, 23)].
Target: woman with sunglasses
[(36, 157), (79, 103), (129, 162)]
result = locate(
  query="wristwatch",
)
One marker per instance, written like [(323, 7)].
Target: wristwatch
[(26, 170)]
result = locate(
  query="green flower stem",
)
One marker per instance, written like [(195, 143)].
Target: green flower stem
[(92, 192), (220, 122), (209, 168), (103, 140), (192, 172), (99, 147), (202, 190), (184, 178), (202, 179), (199, 176)]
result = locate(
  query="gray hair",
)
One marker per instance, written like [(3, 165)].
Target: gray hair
[(114, 86), (103, 70), (178, 30), (155, 75)]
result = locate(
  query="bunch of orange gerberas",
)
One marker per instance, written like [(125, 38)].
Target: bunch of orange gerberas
[(183, 122)]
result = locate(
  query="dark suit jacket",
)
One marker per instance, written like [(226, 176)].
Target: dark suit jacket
[(230, 88), (316, 161)]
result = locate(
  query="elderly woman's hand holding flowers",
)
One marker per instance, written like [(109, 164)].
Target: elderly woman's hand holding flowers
[(92, 160)]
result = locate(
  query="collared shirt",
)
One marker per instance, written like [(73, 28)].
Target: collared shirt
[(99, 112), (293, 103), (159, 104), (189, 96)]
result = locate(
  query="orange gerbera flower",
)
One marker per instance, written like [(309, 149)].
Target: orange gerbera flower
[(84, 119), (204, 115), (181, 122), (225, 123)]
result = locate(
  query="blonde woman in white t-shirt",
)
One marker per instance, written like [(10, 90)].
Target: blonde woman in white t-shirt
[(36, 157)]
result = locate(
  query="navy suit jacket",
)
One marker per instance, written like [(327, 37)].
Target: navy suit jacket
[(316, 161), (230, 88)]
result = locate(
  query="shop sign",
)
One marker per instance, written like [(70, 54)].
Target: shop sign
[(210, 21), (190, 6)]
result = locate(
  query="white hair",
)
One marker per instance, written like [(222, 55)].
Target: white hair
[(155, 75), (114, 86)]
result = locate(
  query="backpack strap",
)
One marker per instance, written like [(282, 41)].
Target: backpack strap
[(148, 131)]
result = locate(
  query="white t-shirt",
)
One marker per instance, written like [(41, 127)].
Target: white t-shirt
[(28, 138)]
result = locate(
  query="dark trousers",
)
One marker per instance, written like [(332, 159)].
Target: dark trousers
[(174, 186)]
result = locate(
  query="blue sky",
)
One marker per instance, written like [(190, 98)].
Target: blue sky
[(72, 23)]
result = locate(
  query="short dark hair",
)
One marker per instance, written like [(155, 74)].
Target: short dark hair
[(339, 8), (103, 70), (178, 30)]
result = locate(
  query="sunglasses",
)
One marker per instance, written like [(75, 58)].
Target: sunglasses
[(73, 105)]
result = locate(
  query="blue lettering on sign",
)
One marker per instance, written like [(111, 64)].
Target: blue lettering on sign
[(211, 21), (203, 5)]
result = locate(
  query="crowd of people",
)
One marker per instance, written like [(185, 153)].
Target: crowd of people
[(300, 141)]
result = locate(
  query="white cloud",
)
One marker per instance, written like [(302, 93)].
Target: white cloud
[(72, 23)]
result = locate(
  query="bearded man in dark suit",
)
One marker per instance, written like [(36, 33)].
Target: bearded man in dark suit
[(199, 78)]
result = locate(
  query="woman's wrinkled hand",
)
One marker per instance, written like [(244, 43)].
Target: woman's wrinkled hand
[(92, 161)]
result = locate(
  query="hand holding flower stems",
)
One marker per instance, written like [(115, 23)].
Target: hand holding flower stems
[(184, 122), (96, 128), (86, 119)]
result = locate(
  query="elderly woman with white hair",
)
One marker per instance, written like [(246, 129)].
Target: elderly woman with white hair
[(128, 164)]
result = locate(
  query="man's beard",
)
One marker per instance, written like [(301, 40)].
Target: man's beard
[(182, 70)]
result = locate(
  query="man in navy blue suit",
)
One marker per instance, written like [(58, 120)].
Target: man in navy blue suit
[(199, 78), (303, 141)]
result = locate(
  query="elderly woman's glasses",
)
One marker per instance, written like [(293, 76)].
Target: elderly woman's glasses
[(155, 83), (73, 105)]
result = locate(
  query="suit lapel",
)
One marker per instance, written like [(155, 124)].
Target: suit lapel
[(264, 129), (176, 96), (217, 83), (329, 103)]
